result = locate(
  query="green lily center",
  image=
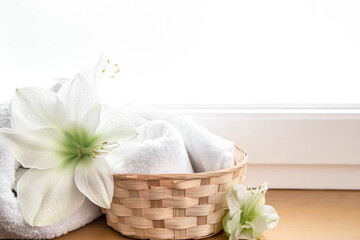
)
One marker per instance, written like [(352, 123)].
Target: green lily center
[(85, 151), (79, 143)]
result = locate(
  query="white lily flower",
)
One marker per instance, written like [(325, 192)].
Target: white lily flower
[(248, 217), (64, 139)]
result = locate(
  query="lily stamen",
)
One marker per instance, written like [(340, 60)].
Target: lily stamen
[(106, 147)]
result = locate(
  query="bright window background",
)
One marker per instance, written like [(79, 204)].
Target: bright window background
[(189, 52)]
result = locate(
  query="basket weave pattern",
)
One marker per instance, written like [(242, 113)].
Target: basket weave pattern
[(173, 206)]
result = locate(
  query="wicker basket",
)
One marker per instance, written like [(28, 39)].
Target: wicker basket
[(173, 206)]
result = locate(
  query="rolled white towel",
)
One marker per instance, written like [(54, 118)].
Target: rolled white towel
[(207, 151), (159, 149)]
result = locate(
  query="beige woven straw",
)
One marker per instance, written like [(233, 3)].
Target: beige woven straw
[(173, 206)]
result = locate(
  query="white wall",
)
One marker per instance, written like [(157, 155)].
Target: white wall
[(208, 52)]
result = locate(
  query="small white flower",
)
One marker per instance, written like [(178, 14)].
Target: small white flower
[(248, 217), (64, 139)]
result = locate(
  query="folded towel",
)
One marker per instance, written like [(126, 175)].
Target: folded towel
[(12, 224), (159, 149), (207, 151)]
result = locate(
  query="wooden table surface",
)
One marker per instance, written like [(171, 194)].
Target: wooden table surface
[(304, 215)]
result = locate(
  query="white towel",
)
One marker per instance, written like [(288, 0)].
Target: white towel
[(159, 149), (207, 151), (12, 224)]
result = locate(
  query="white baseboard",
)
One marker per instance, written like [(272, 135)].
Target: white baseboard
[(295, 176)]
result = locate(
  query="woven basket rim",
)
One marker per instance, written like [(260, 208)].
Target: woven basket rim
[(180, 176)]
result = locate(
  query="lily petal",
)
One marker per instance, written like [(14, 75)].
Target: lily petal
[(94, 179), (265, 217), (95, 73), (232, 223), (79, 96), (39, 148), (245, 232), (114, 127), (92, 119), (35, 108), (51, 197), (236, 198)]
